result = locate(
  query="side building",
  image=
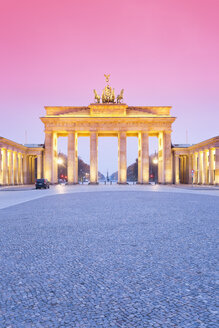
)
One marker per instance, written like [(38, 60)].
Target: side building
[(20, 164), (198, 164)]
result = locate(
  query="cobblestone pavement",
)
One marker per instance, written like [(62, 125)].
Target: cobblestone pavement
[(109, 259)]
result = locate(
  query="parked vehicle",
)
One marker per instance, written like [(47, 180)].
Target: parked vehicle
[(42, 183)]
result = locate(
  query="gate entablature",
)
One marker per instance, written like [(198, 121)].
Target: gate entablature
[(108, 110)]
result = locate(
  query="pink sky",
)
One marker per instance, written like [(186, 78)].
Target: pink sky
[(162, 52)]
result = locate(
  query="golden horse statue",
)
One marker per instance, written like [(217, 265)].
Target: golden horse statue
[(112, 96), (120, 97), (97, 97)]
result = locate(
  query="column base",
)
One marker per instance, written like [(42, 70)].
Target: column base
[(142, 183), (93, 183), (122, 183), (72, 183)]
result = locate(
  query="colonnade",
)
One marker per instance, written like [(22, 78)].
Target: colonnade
[(164, 157), (198, 167), (17, 167)]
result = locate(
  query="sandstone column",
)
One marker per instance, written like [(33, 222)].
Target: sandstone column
[(19, 167), (190, 157), (217, 165), (200, 167), (50, 171), (160, 157), (93, 158), (5, 166), (167, 157), (143, 158), (181, 169), (176, 156), (205, 167), (211, 166), (195, 177), (122, 162), (1, 164), (139, 158), (25, 168), (72, 158), (185, 169), (21, 179), (55, 158), (29, 169), (33, 170), (48, 156), (15, 154), (11, 168), (39, 166)]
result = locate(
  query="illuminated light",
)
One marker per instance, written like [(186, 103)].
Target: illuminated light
[(60, 161), (155, 160)]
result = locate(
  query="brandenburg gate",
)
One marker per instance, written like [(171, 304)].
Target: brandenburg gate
[(108, 118)]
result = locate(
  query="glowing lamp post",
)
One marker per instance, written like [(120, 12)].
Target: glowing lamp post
[(60, 161)]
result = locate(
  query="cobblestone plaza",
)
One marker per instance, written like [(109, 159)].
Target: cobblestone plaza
[(123, 258)]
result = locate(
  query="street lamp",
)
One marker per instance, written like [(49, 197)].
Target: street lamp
[(60, 161)]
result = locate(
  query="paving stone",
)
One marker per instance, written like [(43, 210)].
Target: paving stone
[(110, 259)]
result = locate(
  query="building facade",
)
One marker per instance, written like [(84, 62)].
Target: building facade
[(20, 164), (198, 164)]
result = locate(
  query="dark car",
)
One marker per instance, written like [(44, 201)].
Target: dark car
[(42, 183)]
